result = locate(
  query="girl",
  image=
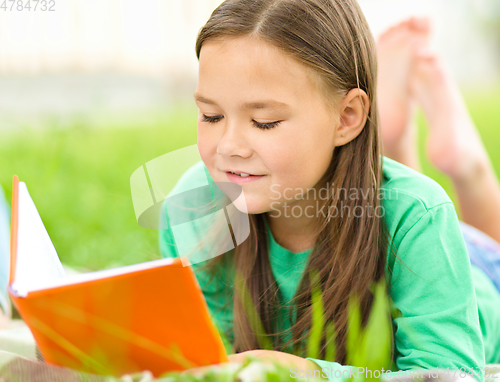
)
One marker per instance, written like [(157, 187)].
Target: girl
[(286, 98)]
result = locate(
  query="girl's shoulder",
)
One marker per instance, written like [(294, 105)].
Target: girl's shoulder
[(407, 196), (403, 186)]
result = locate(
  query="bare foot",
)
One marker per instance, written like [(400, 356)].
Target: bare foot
[(454, 145), (396, 49)]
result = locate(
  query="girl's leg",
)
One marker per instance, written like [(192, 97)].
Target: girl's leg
[(484, 252), (454, 145), (396, 49)]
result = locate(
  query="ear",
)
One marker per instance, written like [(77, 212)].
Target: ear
[(353, 111)]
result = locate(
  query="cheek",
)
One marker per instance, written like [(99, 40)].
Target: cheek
[(207, 146), (289, 157), (277, 152), (300, 167)]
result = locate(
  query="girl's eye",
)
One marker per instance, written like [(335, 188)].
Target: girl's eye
[(266, 126), (211, 119), (263, 126)]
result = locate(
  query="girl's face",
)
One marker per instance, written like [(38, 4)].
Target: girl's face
[(260, 113)]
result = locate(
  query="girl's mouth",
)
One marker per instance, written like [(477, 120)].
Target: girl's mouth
[(242, 178)]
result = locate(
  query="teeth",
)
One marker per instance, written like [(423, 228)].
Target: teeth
[(242, 175)]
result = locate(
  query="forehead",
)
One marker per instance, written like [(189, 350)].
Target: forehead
[(246, 67)]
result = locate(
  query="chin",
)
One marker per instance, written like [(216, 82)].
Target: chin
[(250, 206)]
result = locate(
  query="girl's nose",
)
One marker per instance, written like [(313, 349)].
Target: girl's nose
[(233, 142)]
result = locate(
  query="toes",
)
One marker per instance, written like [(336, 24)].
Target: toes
[(418, 27), (420, 24), (397, 30)]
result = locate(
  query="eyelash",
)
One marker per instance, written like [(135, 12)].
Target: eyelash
[(262, 126)]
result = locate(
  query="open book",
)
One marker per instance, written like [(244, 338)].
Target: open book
[(148, 316)]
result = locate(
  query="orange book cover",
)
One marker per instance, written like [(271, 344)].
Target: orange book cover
[(148, 316)]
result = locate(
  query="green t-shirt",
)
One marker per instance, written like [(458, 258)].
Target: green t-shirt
[(450, 308)]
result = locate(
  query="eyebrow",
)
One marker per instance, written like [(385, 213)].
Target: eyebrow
[(265, 104)]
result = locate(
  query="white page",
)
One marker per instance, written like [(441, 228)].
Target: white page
[(90, 276), (37, 261), (38, 267)]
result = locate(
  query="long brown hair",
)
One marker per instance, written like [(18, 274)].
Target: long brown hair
[(332, 38)]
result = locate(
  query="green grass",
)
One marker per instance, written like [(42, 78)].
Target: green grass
[(79, 176)]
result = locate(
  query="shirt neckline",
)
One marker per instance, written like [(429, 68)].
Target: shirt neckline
[(274, 244)]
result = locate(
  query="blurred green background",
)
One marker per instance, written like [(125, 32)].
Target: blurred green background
[(79, 176)]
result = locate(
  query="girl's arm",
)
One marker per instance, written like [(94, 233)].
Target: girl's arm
[(433, 289), (439, 326)]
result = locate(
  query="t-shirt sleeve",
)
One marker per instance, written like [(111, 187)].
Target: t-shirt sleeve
[(433, 289)]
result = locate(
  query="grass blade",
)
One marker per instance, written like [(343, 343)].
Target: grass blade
[(318, 319), (251, 312)]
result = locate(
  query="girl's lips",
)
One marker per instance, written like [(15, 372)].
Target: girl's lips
[(242, 180)]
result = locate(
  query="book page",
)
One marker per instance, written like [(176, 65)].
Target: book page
[(102, 274), (37, 261)]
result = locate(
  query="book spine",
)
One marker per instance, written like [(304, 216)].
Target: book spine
[(13, 227)]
